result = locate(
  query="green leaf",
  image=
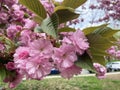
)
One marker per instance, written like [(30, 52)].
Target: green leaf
[(37, 19), (100, 38), (91, 29), (117, 35), (73, 3), (66, 29), (106, 32), (98, 47), (2, 73), (65, 14), (98, 52), (35, 6), (85, 62), (10, 46), (50, 25), (99, 59), (38, 29)]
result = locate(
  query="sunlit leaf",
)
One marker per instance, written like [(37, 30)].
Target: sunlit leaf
[(65, 14), (100, 38), (117, 35), (73, 3), (92, 29), (50, 25), (98, 47), (38, 29), (106, 32), (37, 19), (66, 29), (35, 6)]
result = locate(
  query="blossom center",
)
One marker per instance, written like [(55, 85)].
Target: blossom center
[(24, 55)]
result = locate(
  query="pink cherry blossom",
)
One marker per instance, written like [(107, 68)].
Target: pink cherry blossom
[(49, 6), (18, 78), (64, 56), (33, 62), (118, 54), (100, 70), (112, 50), (12, 30), (41, 47), (75, 21), (10, 66), (3, 17), (10, 2), (21, 57), (38, 67), (70, 71), (2, 46), (26, 37), (29, 24), (78, 40), (16, 7), (17, 15), (14, 79), (21, 53), (111, 10)]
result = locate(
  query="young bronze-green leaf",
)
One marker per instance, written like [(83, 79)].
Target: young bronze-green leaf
[(65, 14), (73, 3), (85, 62), (92, 29), (100, 38), (66, 29), (36, 7)]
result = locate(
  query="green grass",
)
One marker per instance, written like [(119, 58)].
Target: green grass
[(76, 83)]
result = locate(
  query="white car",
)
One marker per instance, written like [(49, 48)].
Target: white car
[(113, 66)]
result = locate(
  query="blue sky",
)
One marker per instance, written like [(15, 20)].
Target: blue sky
[(90, 15)]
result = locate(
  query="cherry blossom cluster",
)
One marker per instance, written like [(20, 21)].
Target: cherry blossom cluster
[(114, 52), (36, 58), (101, 70), (35, 54), (111, 9)]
